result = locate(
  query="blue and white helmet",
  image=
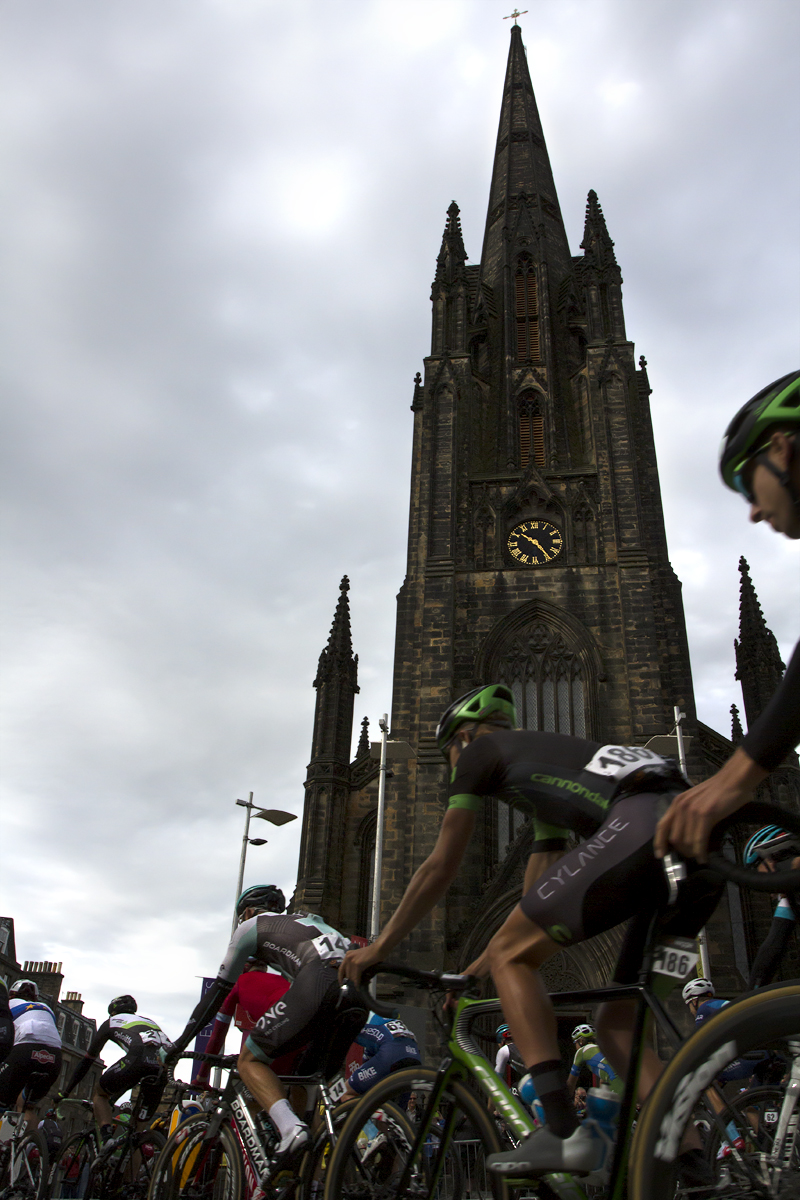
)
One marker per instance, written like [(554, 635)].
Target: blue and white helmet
[(768, 841)]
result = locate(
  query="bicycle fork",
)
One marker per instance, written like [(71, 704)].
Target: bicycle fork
[(786, 1133)]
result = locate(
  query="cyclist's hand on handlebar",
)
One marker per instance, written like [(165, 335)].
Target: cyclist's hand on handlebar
[(356, 961), (690, 818)]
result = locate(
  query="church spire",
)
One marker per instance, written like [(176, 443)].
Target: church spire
[(449, 291), (596, 243), (337, 660), (758, 663), (522, 192)]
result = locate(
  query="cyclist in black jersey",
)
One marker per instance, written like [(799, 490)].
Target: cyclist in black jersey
[(145, 1045), (760, 458), (612, 798), (6, 1022), (307, 951)]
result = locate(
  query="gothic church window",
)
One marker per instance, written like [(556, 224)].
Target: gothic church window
[(546, 677), (531, 430), (526, 303)]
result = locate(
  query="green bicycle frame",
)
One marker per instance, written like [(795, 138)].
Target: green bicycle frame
[(464, 1060)]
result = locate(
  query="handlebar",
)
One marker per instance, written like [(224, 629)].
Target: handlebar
[(430, 981), (760, 812)]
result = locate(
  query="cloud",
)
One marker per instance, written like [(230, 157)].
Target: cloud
[(220, 229)]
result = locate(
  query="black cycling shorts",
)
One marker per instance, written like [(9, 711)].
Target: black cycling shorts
[(32, 1067), (6, 1036), (302, 1015), (614, 875), (149, 1073)]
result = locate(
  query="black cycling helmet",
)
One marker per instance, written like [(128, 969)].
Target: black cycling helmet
[(122, 1004), (477, 705), (748, 433), (262, 895)]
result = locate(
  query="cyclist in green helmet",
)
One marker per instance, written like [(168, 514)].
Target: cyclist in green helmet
[(609, 799), (760, 458)]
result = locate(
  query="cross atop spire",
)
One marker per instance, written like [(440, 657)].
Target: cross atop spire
[(515, 14)]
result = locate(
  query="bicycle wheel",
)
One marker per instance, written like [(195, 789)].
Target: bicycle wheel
[(69, 1174), (315, 1165), (755, 1114), (195, 1168), (125, 1171), (756, 1022), (375, 1154), (28, 1168)]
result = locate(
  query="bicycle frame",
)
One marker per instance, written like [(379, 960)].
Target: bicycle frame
[(465, 1060)]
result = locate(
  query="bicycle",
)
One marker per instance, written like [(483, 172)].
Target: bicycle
[(230, 1152), (765, 1020), (69, 1173), (23, 1160), (124, 1166)]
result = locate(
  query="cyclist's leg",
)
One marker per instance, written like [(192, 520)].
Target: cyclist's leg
[(44, 1065), (113, 1083), (291, 1022)]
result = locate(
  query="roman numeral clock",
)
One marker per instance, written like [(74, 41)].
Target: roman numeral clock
[(534, 543)]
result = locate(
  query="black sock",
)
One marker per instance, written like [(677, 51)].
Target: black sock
[(549, 1079)]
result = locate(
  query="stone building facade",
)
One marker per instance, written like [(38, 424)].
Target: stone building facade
[(537, 556), (75, 1028)]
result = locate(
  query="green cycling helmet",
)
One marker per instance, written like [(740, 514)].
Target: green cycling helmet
[(746, 436), (476, 705)]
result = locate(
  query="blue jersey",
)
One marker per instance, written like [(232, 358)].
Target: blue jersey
[(381, 1030), (709, 1008)]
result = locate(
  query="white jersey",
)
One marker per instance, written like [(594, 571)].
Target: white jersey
[(34, 1022)]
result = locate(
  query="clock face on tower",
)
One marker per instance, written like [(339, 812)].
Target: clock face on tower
[(534, 543)]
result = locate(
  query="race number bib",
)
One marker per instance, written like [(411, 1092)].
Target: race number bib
[(615, 762), (398, 1030), (330, 946), (675, 956)]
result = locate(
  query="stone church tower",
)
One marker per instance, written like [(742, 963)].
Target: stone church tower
[(537, 556)]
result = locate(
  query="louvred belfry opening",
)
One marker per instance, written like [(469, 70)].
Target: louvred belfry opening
[(526, 297), (531, 430)]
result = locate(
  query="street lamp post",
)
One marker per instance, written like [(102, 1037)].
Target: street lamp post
[(275, 816)]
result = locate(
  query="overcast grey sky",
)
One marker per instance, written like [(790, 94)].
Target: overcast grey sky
[(221, 220)]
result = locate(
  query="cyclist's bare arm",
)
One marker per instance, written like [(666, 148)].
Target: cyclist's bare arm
[(692, 815), (426, 889)]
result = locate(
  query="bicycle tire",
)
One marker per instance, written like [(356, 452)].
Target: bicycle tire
[(473, 1136), (755, 1114), (193, 1169), (113, 1176), (316, 1163), (752, 1023), (27, 1170), (69, 1174)]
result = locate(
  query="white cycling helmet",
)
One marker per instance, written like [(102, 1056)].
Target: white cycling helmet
[(582, 1031), (697, 988)]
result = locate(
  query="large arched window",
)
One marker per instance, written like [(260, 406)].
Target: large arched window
[(531, 430), (546, 677), (526, 306)]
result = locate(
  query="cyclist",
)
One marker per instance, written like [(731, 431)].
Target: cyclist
[(255, 991), (145, 1045), (6, 1022), (34, 1061), (508, 1063), (588, 1053), (612, 796), (760, 458), (773, 846), (389, 1045), (307, 951)]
